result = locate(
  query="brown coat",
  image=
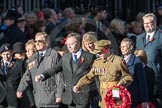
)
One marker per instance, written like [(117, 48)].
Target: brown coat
[(111, 72)]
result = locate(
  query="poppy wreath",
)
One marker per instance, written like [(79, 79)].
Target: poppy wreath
[(124, 96)]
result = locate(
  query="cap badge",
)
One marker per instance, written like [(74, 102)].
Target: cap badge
[(6, 48)]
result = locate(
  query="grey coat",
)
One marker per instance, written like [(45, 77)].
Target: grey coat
[(154, 54), (71, 77), (45, 93)]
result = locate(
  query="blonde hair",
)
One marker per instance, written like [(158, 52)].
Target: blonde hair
[(88, 38), (142, 54), (31, 42)]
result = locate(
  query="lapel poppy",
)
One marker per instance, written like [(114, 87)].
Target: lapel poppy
[(82, 59)]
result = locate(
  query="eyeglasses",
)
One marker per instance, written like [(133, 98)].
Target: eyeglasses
[(39, 41)]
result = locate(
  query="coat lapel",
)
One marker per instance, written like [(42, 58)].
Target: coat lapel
[(68, 62), (156, 37), (131, 60)]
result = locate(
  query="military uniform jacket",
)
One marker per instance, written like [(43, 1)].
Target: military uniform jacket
[(154, 56), (111, 70), (9, 82), (72, 77), (108, 71), (46, 92)]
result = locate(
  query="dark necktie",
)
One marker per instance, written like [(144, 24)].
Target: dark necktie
[(40, 57), (6, 68), (75, 58), (148, 39)]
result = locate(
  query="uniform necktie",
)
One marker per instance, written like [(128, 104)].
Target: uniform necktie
[(6, 68), (75, 59)]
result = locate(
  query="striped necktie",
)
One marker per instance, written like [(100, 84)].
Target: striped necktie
[(6, 68), (75, 59)]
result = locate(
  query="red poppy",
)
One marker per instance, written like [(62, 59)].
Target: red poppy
[(151, 39), (63, 41), (82, 60)]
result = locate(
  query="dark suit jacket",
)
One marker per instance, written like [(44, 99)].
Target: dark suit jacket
[(9, 83), (154, 56), (71, 78)]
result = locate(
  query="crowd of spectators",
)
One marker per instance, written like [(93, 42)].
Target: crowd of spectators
[(37, 50)]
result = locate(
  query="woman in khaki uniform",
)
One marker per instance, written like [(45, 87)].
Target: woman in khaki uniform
[(110, 69)]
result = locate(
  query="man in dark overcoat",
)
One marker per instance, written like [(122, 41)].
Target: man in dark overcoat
[(11, 71)]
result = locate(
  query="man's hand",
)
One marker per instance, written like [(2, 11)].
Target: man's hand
[(58, 100), (38, 78), (76, 89), (19, 94)]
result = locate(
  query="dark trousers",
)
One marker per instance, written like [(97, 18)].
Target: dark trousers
[(73, 105), (4, 104)]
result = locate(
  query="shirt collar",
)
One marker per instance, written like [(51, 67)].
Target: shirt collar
[(43, 52), (78, 53), (127, 57), (150, 34), (4, 61)]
